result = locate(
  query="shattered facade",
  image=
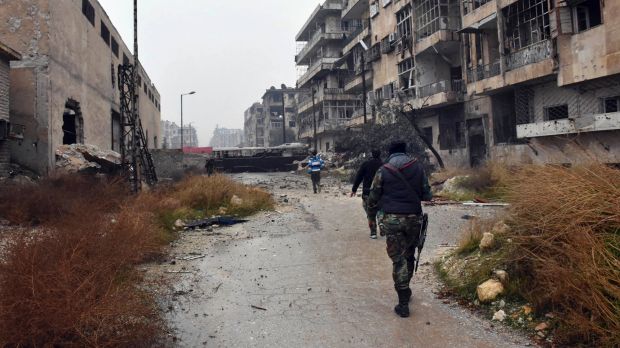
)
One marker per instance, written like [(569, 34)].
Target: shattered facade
[(171, 135), (226, 137), (254, 126), (279, 104), (516, 80), (65, 89), (323, 103)]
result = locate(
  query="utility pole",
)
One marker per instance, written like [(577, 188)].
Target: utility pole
[(135, 97), (283, 119), (364, 101), (314, 120)]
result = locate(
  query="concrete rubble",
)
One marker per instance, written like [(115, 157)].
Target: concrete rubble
[(80, 158)]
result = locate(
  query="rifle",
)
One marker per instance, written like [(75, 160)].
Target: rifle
[(421, 239)]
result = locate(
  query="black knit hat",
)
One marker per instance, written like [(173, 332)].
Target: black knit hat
[(398, 147)]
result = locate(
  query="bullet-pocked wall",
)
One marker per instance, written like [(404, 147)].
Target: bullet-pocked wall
[(67, 84)]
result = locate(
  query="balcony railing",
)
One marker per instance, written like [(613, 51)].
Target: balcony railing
[(482, 72), (437, 24), (530, 55), (355, 31), (322, 33), (334, 123), (333, 91), (441, 87)]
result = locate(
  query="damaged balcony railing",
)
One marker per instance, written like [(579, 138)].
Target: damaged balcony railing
[(437, 24), (482, 72), (323, 33), (441, 87), (334, 123), (355, 31), (530, 55)]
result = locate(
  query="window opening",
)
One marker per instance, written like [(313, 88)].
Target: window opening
[(557, 112), (114, 46), (587, 14), (403, 18), (105, 33), (611, 104), (89, 11), (527, 23), (73, 124)]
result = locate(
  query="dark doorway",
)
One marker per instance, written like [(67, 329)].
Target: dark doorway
[(72, 124), (477, 142)]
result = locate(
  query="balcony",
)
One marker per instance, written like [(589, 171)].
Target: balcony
[(317, 39), (327, 94), (354, 83), (441, 93), (529, 55), (355, 36), (323, 64), (329, 7), (354, 9), (582, 124), (482, 72), (440, 34)]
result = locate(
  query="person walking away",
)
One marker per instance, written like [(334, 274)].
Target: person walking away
[(210, 166), (365, 175), (315, 165), (397, 192)]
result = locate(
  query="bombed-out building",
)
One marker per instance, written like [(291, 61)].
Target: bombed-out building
[(226, 137), (324, 107), (516, 80), (7, 54), (65, 88), (280, 108)]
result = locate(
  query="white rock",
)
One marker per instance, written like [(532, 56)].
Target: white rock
[(502, 304), (179, 223), (501, 228), (235, 200), (502, 276), (488, 241), (499, 315), (489, 290)]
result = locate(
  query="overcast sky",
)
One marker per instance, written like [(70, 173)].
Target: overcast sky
[(228, 51)]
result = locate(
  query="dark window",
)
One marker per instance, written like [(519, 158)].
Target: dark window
[(114, 47), (292, 124), (105, 33), (125, 59), (557, 112), (145, 88), (139, 80), (428, 133), (611, 104), (587, 14), (89, 11)]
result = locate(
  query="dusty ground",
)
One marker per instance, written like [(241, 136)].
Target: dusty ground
[(307, 275)]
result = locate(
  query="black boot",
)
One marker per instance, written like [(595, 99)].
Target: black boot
[(402, 308)]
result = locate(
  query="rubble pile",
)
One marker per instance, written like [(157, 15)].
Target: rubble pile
[(84, 158)]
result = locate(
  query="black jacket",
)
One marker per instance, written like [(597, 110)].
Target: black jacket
[(366, 173)]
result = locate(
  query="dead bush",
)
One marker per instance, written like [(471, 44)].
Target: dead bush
[(566, 228)]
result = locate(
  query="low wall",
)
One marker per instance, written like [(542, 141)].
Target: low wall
[(171, 164)]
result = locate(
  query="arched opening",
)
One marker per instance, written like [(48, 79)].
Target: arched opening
[(72, 123)]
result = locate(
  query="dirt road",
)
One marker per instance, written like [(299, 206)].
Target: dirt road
[(307, 275)]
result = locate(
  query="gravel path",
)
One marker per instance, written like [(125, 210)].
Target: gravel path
[(307, 275)]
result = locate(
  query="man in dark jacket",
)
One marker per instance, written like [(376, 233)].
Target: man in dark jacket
[(398, 189), (365, 174)]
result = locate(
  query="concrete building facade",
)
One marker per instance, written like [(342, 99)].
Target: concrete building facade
[(65, 89), (171, 135), (7, 54), (323, 103), (254, 125), (279, 102), (521, 81)]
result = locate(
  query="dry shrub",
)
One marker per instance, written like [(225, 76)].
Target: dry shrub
[(566, 225), (209, 194), (472, 235), (71, 282)]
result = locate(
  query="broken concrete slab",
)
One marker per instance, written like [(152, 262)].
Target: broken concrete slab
[(86, 158)]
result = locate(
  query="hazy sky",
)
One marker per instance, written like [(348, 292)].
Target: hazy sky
[(228, 51)]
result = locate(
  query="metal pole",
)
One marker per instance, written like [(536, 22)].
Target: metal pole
[(283, 119), (314, 121), (182, 130), (364, 101), (135, 98)]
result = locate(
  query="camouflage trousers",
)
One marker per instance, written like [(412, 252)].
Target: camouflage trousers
[(402, 233), (372, 222)]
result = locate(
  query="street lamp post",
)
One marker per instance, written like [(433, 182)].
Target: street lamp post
[(182, 130), (314, 120)]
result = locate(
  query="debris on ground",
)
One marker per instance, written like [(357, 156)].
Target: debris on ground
[(80, 158), (218, 220)]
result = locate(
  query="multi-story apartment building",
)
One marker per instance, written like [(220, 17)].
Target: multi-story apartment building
[(226, 137), (65, 88), (516, 80), (7, 54), (323, 103), (254, 125), (171, 135), (280, 105)]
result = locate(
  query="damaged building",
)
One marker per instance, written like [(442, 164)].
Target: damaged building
[(171, 135), (523, 81), (7, 54), (226, 137), (324, 106), (65, 88), (266, 123)]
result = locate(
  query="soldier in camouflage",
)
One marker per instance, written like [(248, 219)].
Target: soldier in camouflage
[(396, 196)]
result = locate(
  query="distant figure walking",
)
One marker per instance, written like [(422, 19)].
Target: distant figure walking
[(365, 174), (210, 166), (315, 165)]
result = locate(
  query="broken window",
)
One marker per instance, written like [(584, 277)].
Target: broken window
[(403, 18), (556, 112), (431, 16), (89, 11), (292, 124), (105, 33), (145, 88), (586, 14), (405, 73), (73, 124), (125, 59), (116, 131), (451, 129), (114, 47), (611, 104), (472, 5), (527, 23), (505, 110)]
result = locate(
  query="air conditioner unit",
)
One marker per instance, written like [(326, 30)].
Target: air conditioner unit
[(392, 37)]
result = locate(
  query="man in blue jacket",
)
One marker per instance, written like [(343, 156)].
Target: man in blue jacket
[(398, 189), (315, 165)]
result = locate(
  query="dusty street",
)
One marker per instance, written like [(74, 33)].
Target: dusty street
[(307, 275)]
